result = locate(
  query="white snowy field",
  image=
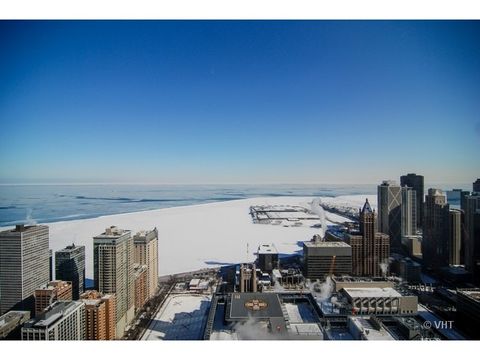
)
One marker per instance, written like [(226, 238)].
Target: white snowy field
[(182, 317), (199, 236), (349, 203)]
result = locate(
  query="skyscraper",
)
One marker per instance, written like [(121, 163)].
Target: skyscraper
[(24, 266), (476, 186), (409, 211), (370, 249), (70, 266), (113, 254), (390, 212), (416, 182), (455, 222), (472, 242), (435, 229), (146, 253)]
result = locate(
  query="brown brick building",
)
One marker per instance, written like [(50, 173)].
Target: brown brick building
[(51, 292), (100, 315), (141, 285)]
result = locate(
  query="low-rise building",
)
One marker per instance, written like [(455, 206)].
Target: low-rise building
[(381, 301), (11, 323)]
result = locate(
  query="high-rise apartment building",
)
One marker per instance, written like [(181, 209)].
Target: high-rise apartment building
[(70, 266), (416, 182), (24, 266), (390, 212), (63, 320), (141, 295), (146, 253), (370, 249), (455, 224), (100, 315), (113, 255), (435, 229), (47, 294)]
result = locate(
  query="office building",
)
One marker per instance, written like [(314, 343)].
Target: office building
[(141, 295), (70, 266), (63, 320), (24, 266), (11, 324), (370, 249), (409, 212), (100, 318), (113, 254), (476, 186), (267, 257), (323, 258), (47, 294), (455, 224), (416, 182), (472, 235), (146, 253), (50, 264), (435, 230), (390, 212)]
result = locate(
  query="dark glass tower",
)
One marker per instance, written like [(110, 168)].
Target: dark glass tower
[(70, 266)]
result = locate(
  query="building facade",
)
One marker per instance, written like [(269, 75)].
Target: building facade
[(390, 212), (370, 249), (416, 183), (476, 186), (100, 315), (63, 320), (267, 257), (472, 240), (113, 272), (323, 258), (146, 253), (70, 266), (409, 211), (24, 266), (141, 288), (435, 230), (455, 225), (51, 292)]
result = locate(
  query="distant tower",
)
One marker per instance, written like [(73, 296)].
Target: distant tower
[(476, 186), (390, 212), (370, 248), (435, 230), (409, 211), (248, 278), (416, 182), (24, 266), (472, 236), (113, 255), (70, 266), (455, 224)]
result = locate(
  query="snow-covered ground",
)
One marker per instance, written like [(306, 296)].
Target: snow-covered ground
[(349, 203), (200, 236), (182, 317)]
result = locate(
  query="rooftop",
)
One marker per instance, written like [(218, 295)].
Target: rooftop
[(326, 244), (254, 305), (366, 326), (267, 249), (473, 293), (371, 292), (53, 313)]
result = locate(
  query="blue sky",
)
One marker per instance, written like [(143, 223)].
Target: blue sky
[(239, 102)]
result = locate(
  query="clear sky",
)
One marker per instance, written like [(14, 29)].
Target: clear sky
[(239, 102)]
